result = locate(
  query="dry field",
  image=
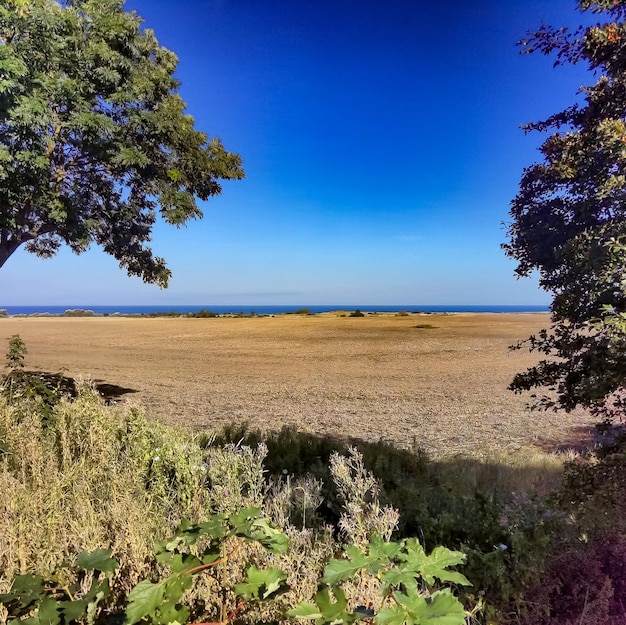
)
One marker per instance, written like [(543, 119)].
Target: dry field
[(443, 388)]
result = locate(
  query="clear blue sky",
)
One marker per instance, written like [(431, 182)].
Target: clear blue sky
[(381, 144)]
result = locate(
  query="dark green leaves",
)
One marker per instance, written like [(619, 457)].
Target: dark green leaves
[(404, 573), (88, 111), (569, 208), (261, 585), (161, 603), (35, 602)]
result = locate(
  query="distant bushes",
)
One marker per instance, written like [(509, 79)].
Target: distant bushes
[(79, 312)]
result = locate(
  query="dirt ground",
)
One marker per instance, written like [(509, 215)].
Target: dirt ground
[(378, 377)]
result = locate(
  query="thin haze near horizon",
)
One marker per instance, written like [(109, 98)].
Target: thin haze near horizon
[(381, 143)]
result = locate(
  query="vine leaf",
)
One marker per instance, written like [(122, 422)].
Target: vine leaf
[(98, 560), (143, 599), (261, 584)]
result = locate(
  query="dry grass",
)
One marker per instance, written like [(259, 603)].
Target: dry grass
[(442, 388)]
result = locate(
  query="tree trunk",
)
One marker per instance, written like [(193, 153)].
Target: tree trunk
[(7, 247)]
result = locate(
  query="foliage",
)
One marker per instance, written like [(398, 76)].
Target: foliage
[(15, 353), (94, 139), (403, 571), (90, 476), (160, 602), (404, 577), (569, 223), (54, 602)]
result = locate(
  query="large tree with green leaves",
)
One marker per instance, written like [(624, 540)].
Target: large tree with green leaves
[(569, 223), (94, 138)]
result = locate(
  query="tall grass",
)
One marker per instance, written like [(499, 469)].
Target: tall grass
[(76, 475), (90, 476)]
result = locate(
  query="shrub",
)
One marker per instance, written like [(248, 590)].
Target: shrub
[(78, 312)]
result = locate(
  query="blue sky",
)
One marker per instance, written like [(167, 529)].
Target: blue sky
[(381, 145)]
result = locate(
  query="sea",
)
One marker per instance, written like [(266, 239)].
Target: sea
[(269, 310)]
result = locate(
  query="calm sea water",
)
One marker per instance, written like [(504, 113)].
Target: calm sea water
[(265, 310)]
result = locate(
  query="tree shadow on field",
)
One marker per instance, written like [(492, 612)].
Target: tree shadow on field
[(438, 499), (66, 385), (577, 439)]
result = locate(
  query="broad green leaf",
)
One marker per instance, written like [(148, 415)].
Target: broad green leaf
[(442, 608), (241, 517), (383, 551), (143, 599), (49, 612), (332, 611), (341, 570), (25, 590), (269, 536), (261, 584), (98, 560), (433, 565), (436, 563), (215, 527), (305, 611), (178, 562), (171, 612), (74, 610), (394, 577), (176, 585), (394, 615)]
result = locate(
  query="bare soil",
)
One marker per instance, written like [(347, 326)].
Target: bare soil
[(443, 388)]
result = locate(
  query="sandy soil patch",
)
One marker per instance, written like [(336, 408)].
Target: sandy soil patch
[(378, 377)]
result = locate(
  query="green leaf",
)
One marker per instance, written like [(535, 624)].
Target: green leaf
[(341, 570), (74, 610), (143, 600), (25, 590), (441, 608), (394, 577), (383, 551), (261, 584), (49, 612), (178, 562), (305, 611), (436, 563), (98, 590), (176, 585), (98, 560), (394, 615), (240, 518), (332, 612), (171, 612)]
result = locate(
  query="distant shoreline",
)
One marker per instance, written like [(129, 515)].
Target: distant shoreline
[(255, 311)]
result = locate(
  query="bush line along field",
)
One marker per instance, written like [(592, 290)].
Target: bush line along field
[(435, 381)]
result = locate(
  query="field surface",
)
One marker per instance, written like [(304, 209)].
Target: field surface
[(378, 377)]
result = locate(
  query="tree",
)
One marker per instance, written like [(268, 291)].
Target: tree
[(569, 223), (94, 139)]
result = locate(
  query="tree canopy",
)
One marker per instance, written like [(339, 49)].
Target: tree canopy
[(569, 222), (94, 138)]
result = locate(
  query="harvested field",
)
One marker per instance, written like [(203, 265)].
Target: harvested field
[(377, 377)]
